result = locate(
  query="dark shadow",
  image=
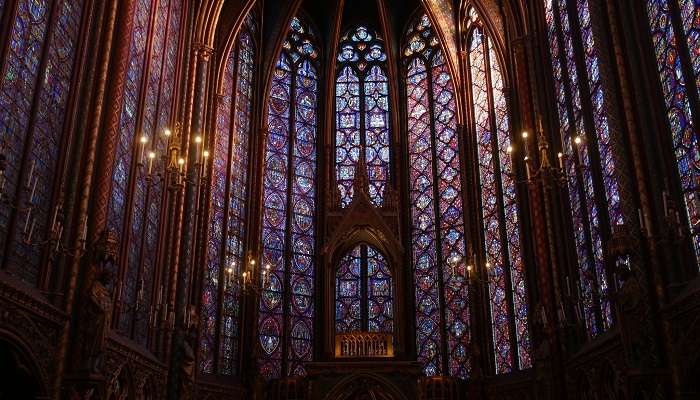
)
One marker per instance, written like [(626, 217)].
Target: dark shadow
[(19, 379)]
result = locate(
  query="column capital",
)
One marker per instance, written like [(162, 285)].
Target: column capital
[(203, 51)]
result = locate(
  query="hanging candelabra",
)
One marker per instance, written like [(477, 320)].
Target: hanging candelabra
[(243, 280), (548, 176)]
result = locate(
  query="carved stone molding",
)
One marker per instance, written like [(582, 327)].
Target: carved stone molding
[(30, 320), (146, 373), (215, 391)]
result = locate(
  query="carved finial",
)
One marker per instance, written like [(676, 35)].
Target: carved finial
[(391, 200), (174, 146), (105, 249), (543, 145), (361, 183)]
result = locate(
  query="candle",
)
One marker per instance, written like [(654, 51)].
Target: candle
[(31, 195), (577, 142), (647, 223), (527, 149), (560, 312), (31, 230), (469, 271), (140, 293), (527, 167), (31, 173), (245, 275), (167, 132), (151, 157), (26, 221), (58, 237), (53, 220), (560, 156), (181, 164), (198, 142), (84, 237), (142, 148)]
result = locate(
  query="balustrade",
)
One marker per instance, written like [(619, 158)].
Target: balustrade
[(364, 345)]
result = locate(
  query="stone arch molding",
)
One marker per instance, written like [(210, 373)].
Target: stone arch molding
[(363, 223), (363, 386), (24, 354)]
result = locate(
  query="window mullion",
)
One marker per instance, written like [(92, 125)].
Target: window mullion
[(361, 75), (591, 145), (579, 189), (438, 234), (364, 286), (24, 152), (137, 173), (223, 251), (686, 63), (495, 149), (288, 228)]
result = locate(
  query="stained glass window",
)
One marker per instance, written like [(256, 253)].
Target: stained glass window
[(443, 337), (227, 209), (363, 292), (362, 114), (504, 264), (590, 163), (676, 66), (286, 311), (137, 188), (34, 93)]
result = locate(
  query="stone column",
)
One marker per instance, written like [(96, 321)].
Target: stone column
[(184, 346)]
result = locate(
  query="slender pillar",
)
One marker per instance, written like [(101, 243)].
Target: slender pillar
[(118, 16), (180, 345)]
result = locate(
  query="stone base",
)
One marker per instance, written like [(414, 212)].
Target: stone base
[(367, 379)]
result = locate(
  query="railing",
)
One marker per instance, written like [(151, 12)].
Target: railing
[(364, 345), (438, 388)]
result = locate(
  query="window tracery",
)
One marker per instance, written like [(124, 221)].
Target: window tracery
[(34, 92), (675, 33), (227, 209), (286, 312), (136, 195), (362, 114), (592, 170), (364, 299), (499, 213), (442, 294)]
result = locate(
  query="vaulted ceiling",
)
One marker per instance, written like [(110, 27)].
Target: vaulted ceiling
[(218, 20)]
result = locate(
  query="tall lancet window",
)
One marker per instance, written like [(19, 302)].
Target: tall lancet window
[(591, 164), (362, 114), (504, 266), (219, 339), (286, 313), (675, 29), (36, 69), (438, 242), (137, 192), (364, 300)]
